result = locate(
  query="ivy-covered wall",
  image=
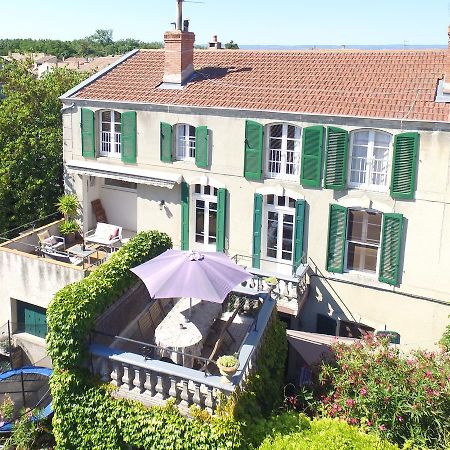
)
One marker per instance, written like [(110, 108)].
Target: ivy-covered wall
[(87, 417)]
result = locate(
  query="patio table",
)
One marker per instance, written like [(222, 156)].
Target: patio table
[(174, 333)]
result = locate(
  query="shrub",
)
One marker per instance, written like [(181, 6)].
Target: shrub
[(445, 339), (402, 398), (329, 434)]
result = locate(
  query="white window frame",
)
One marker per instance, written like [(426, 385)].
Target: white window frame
[(370, 162), (347, 241), (110, 140), (208, 199), (281, 211), (269, 164), (184, 146)]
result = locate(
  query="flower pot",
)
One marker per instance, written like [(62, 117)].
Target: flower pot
[(227, 372)]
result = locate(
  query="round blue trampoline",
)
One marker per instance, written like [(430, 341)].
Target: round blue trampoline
[(28, 387)]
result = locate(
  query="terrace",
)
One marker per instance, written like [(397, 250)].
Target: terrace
[(124, 351)]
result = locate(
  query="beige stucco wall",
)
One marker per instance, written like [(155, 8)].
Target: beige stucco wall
[(426, 249), (31, 279)]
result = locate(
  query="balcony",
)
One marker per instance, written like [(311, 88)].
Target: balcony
[(124, 353), (289, 292)]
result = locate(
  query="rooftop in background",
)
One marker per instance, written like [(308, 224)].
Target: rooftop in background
[(381, 84)]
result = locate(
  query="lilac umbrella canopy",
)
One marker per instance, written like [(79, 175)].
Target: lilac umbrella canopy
[(176, 273)]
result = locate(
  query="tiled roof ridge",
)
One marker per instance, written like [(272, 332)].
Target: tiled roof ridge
[(296, 51)]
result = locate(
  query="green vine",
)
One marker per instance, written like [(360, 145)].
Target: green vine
[(86, 416)]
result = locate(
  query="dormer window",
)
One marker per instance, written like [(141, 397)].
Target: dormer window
[(369, 159), (184, 142), (283, 151), (110, 134)]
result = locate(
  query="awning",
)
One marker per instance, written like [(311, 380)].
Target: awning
[(312, 347), (123, 173)]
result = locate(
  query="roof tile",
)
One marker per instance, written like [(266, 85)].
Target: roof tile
[(388, 84)]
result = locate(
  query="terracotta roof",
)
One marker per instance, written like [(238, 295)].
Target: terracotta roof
[(383, 84)]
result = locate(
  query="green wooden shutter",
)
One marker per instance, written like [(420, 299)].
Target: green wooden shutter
[(257, 223), (299, 229), (312, 156), (166, 142), (254, 132), (128, 138), (201, 147), (390, 248), (221, 219), (87, 133), (403, 179), (184, 216), (336, 160), (337, 231)]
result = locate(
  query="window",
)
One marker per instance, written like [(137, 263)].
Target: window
[(369, 157), (205, 204), (185, 142), (363, 240), (283, 151), (110, 134), (279, 219), (110, 182)]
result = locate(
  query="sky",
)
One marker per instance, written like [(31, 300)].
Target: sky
[(247, 22)]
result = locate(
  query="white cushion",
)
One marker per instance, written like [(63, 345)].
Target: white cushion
[(103, 231)]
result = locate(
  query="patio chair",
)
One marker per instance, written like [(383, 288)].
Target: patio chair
[(47, 241), (62, 257), (104, 234)]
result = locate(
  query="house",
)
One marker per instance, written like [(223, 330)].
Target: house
[(335, 158)]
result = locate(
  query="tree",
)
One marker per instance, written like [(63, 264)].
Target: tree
[(31, 142), (231, 46), (102, 37)]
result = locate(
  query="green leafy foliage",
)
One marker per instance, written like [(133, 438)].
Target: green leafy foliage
[(101, 43), (68, 205), (73, 310), (86, 416), (445, 340), (329, 434), (402, 398), (31, 142)]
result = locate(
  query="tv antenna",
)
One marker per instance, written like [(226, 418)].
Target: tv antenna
[(179, 21)]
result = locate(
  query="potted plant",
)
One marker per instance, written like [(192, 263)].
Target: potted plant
[(228, 366), (68, 229), (68, 206)]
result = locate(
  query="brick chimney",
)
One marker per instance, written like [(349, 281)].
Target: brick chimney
[(178, 57), (446, 89)]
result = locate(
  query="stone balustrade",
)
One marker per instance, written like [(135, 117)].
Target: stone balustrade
[(153, 382)]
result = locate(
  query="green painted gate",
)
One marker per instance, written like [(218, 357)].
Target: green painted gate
[(31, 319)]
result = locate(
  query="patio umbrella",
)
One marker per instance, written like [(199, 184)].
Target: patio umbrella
[(175, 273)]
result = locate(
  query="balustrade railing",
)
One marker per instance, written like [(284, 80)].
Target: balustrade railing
[(138, 374), (288, 289)]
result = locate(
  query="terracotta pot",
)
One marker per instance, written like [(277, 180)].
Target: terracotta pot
[(228, 372)]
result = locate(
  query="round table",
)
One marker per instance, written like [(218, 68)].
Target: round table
[(185, 328)]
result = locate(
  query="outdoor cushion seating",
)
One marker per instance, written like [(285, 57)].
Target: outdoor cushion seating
[(104, 234), (48, 241), (62, 257)]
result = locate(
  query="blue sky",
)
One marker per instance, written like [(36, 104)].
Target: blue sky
[(283, 22)]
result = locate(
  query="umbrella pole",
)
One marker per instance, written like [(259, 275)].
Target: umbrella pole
[(190, 308)]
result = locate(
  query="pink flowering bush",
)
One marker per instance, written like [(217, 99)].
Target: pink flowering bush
[(402, 398)]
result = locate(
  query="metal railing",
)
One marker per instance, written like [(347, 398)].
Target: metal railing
[(147, 349), (28, 227)]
